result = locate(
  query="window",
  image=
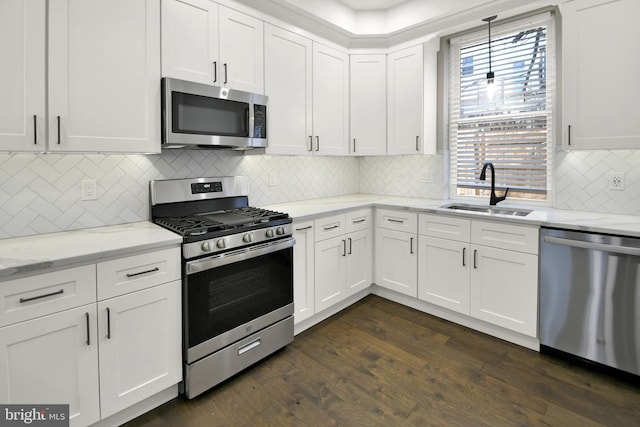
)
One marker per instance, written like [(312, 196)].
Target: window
[(509, 122)]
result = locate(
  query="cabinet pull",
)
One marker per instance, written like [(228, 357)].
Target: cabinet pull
[(399, 221), (35, 130), (354, 145), (344, 247), (464, 253), (23, 300), (358, 221), (350, 245), (317, 143), (143, 272), (333, 227), (417, 143), (310, 143), (569, 135), (308, 227), (108, 323), (58, 119), (88, 330), (475, 258), (411, 246), (225, 72), (215, 71)]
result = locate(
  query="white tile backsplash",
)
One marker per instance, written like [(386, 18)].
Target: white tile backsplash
[(40, 193)]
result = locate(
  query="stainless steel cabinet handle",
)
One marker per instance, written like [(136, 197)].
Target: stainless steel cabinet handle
[(350, 245), (344, 247), (308, 227), (143, 272), (358, 221), (215, 71), (411, 246), (464, 254), (317, 143), (58, 119), (417, 143), (225, 72), (23, 300), (333, 227), (354, 145), (475, 258), (108, 323), (569, 135), (35, 130), (399, 221), (590, 245), (88, 331), (310, 143)]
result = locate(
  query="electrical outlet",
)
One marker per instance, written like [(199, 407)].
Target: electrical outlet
[(615, 180), (89, 189)]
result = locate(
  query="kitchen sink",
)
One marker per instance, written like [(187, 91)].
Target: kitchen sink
[(493, 210)]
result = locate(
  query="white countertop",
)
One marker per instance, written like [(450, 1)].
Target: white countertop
[(595, 222), (23, 255)]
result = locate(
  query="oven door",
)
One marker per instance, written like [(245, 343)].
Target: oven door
[(234, 294)]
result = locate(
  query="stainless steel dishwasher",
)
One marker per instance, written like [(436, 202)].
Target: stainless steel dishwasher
[(590, 297)]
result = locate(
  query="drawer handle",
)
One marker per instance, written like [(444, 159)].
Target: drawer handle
[(153, 270), (308, 227), (358, 221), (331, 228), (249, 347), (399, 221), (22, 300)]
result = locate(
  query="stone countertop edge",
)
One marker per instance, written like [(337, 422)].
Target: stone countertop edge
[(542, 216), (21, 256)]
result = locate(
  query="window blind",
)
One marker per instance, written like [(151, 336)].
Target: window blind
[(510, 122)]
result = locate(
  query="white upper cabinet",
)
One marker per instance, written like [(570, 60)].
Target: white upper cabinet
[(22, 49), (209, 43), (330, 101), (601, 58), (405, 95), (104, 76), (368, 105), (288, 85)]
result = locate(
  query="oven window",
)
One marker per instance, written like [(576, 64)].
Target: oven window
[(195, 114), (225, 297)]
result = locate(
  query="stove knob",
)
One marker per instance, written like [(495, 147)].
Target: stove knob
[(221, 244), (247, 238), (207, 246), (280, 231), (270, 233)]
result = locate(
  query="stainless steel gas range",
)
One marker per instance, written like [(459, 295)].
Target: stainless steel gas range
[(237, 272)]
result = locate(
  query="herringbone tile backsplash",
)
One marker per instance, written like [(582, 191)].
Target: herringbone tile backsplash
[(40, 193)]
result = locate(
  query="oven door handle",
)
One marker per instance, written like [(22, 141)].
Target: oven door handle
[(204, 264)]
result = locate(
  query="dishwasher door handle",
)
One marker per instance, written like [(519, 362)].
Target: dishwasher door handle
[(595, 246)]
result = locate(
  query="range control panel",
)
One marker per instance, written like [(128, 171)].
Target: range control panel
[(206, 187)]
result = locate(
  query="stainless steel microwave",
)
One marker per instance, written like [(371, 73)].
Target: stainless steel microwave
[(200, 116)]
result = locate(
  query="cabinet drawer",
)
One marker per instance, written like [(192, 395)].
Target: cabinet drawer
[(397, 220), (331, 226), (137, 272), (358, 220), (445, 227), (505, 236), (35, 296)]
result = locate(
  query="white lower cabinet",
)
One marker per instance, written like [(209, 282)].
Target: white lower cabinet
[(488, 270), (396, 251), (303, 271), (60, 344)]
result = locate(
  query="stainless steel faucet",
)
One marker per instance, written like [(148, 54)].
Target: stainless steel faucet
[(483, 176)]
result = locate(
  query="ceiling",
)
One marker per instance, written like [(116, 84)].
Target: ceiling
[(371, 23)]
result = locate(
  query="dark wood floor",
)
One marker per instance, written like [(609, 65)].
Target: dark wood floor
[(382, 364)]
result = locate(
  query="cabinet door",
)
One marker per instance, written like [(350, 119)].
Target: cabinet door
[(22, 49), (288, 85), (190, 40), (330, 272), (443, 273), (504, 288), (303, 271), (368, 105), (405, 91), (241, 51), (396, 265), (359, 258), (53, 360), (140, 346), (601, 113), (330, 101), (104, 74)]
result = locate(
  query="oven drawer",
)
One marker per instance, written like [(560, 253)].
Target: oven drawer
[(35, 296), (124, 275)]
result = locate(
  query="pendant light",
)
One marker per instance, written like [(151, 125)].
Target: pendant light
[(490, 75)]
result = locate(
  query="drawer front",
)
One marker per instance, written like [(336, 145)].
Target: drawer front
[(445, 227), (331, 226), (397, 220), (505, 236), (359, 220), (44, 294), (124, 275)]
